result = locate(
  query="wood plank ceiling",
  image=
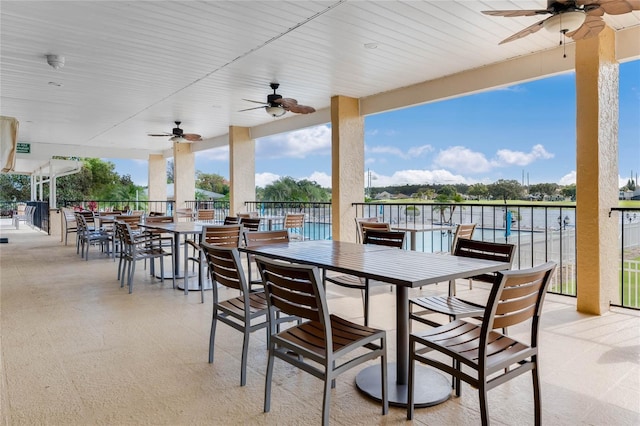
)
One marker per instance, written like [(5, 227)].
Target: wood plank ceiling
[(133, 67)]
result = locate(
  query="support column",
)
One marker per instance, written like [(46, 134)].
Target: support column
[(597, 172), (347, 165), (242, 168), (184, 176), (157, 182)]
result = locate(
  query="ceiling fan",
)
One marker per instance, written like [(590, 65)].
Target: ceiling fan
[(178, 135), (578, 19), (277, 106)]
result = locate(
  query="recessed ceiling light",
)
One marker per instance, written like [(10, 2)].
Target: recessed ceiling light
[(371, 45), (53, 83)]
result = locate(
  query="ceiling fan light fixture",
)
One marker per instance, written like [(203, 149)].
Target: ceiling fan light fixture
[(178, 139), (565, 22), (275, 111)]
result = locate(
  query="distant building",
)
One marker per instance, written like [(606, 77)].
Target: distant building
[(384, 195)]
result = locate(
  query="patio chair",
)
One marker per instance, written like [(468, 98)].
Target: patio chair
[(88, 237), (454, 307), (372, 236), (324, 345), (489, 358), (250, 224), (262, 238), (247, 215), (229, 236), (294, 223), (70, 225), (139, 246), (231, 220), (359, 221), (246, 313), (205, 215)]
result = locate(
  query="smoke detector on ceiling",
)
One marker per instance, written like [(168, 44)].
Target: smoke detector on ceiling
[(56, 61)]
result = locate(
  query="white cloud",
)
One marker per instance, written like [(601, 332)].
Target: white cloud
[(506, 157), (403, 177), (568, 179), (411, 153), (299, 144), (463, 159), (321, 178), (264, 179)]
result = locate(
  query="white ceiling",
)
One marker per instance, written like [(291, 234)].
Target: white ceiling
[(133, 67)]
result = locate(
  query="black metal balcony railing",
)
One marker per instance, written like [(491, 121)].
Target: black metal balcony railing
[(540, 232)]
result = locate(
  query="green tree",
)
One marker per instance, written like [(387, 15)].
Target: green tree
[(548, 189), (212, 182), (15, 187), (288, 189), (478, 190), (170, 170), (504, 189), (569, 191)]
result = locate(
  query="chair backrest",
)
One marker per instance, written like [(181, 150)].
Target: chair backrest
[(89, 217), (132, 221), (222, 235), (485, 250), (359, 222), (293, 220), (296, 290), (263, 238), (159, 219), (384, 238), (205, 215), (81, 223), (517, 296), (69, 216), (231, 220), (463, 230), (225, 267), (250, 224), (375, 226)]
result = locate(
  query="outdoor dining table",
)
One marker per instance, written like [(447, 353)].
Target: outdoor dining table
[(403, 268), (177, 229)]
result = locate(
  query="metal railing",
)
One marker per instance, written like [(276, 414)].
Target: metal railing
[(629, 236), (163, 207), (317, 216), (540, 232)]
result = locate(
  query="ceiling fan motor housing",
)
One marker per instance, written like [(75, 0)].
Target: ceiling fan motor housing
[(177, 131), (271, 99)]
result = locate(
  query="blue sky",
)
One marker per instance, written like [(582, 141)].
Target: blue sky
[(528, 128)]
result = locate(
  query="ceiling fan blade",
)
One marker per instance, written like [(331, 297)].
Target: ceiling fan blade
[(160, 134), (192, 137), (249, 109), (523, 33), (619, 7), (514, 13), (591, 27), (256, 102)]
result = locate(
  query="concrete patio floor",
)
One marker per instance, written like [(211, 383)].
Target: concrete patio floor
[(76, 349)]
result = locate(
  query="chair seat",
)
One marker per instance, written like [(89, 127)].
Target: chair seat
[(235, 306), (349, 281), (461, 340), (309, 336), (446, 305)]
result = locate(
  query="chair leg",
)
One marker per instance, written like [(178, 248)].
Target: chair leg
[(537, 401), (484, 408), (245, 354), (384, 376), (268, 378), (212, 335), (410, 383), (326, 400), (132, 271), (201, 279)]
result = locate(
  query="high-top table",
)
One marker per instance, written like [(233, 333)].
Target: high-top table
[(404, 269)]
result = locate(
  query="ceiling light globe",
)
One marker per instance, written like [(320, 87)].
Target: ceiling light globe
[(275, 111), (565, 22)]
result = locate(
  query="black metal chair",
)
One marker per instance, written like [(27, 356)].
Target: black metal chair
[(489, 358), (324, 345)]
